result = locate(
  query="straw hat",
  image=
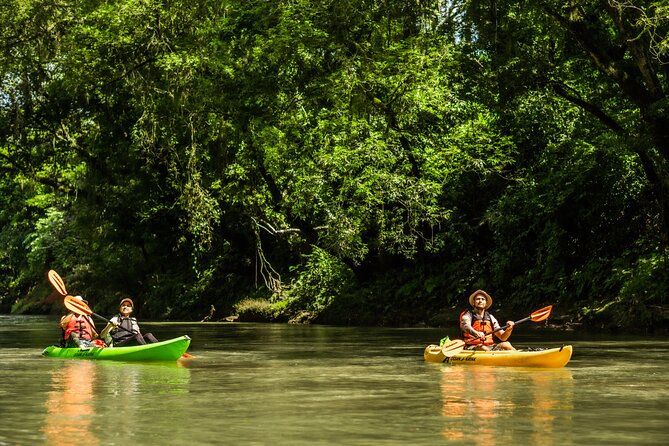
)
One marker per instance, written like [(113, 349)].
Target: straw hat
[(483, 293), (127, 299)]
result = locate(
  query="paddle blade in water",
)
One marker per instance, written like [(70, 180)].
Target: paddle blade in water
[(57, 282), (453, 348), (542, 314), (77, 306)]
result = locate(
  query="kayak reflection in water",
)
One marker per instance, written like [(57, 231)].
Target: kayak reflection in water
[(70, 406), (471, 406), (124, 328), (477, 325)]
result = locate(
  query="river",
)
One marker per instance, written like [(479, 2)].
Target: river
[(275, 384)]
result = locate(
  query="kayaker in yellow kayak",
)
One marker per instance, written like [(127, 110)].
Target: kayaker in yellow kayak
[(124, 328), (477, 325)]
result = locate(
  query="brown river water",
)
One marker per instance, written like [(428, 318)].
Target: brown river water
[(275, 384)]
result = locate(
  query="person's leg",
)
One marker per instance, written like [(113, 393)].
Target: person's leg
[(121, 342), (139, 339), (74, 340), (77, 342), (150, 338), (135, 339), (505, 346), (130, 340)]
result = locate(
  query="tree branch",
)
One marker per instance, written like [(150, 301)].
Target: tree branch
[(608, 121), (271, 230), (608, 58)]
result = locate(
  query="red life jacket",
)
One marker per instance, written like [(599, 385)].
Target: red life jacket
[(479, 323), (82, 325)]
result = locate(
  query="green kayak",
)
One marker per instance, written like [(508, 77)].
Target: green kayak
[(169, 350)]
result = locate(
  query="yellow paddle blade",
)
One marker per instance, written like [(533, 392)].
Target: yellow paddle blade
[(77, 305), (453, 348), (57, 282), (542, 314)]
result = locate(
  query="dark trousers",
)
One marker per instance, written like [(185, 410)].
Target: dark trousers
[(137, 339)]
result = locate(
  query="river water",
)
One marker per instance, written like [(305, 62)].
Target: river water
[(275, 384)]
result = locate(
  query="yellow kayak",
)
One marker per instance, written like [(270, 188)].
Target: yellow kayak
[(552, 357)]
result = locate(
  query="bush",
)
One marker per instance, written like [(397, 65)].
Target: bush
[(254, 310)]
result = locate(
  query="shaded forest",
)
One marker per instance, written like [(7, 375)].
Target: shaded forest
[(343, 162)]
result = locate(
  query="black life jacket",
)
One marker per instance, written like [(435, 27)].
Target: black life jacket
[(129, 323)]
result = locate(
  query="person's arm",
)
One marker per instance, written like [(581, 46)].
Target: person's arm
[(466, 326), (503, 335), (109, 327), (105, 331)]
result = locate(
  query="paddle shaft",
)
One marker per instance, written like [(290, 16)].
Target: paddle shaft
[(110, 322), (499, 329), (525, 319), (537, 316)]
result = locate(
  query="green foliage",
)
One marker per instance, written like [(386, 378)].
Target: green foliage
[(381, 159), (642, 295), (320, 279)]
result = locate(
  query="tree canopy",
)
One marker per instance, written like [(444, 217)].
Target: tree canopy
[(348, 162)]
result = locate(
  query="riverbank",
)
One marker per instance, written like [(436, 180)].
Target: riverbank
[(258, 310)]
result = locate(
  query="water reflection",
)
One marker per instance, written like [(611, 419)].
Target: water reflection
[(122, 379), (478, 402), (87, 397), (70, 408)]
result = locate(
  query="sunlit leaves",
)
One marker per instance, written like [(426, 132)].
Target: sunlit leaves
[(358, 134)]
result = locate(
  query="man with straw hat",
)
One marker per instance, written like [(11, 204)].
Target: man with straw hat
[(477, 325)]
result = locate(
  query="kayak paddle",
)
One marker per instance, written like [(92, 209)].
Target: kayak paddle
[(537, 316)]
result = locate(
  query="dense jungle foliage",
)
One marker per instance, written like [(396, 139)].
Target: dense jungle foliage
[(346, 162)]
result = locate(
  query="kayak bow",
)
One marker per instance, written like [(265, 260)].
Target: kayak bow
[(169, 350), (552, 357)]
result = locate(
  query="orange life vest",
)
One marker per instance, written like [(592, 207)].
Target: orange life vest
[(82, 325), (479, 323)]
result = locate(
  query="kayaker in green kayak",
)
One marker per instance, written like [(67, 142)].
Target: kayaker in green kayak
[(124, 329), (477, 325), (78, 330)]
